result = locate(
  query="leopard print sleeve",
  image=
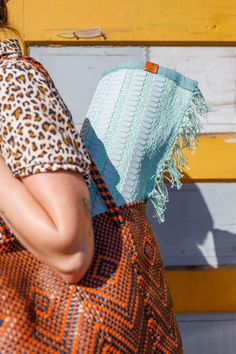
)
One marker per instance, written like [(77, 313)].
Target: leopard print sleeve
[(37, 133)]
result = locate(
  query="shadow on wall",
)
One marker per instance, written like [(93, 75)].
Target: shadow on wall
[(188, 236)]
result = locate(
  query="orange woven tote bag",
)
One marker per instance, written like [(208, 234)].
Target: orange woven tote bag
[(122, 304)]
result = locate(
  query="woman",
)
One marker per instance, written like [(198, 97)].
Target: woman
[(37, 135), (122, 303)]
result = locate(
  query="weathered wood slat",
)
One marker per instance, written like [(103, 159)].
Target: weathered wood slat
[(128, 21), (203, 290), (211, 333), (213, 68), (214, 159)]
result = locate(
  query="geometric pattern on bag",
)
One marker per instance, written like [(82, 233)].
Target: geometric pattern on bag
[(122, 304)]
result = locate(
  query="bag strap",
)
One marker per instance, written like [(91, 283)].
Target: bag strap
[(113, 209)]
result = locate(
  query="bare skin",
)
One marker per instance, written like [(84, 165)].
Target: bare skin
[(50, 215)]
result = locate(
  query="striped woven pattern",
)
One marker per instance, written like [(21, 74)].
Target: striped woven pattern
[(116, 129), (122, 304), (134, 127)]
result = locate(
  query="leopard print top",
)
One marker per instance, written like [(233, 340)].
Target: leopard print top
[(37, 133)]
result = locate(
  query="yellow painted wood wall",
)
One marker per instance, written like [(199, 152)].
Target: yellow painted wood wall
[(149, 22), (128, 21)]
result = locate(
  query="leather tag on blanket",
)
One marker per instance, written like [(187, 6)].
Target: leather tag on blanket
[(152, 67)]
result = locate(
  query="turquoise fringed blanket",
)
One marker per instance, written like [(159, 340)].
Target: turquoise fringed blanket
[(136, 128)]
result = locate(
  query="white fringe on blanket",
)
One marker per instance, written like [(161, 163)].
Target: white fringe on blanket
[(175, 161)]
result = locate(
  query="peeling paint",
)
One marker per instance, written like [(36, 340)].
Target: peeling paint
[(231, 140)]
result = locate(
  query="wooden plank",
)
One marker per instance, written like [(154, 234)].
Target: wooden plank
[(213, 160), (205, 64), (209, 290), (199, 227), (128, 21), (211, 333)]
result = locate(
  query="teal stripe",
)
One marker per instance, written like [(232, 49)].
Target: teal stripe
[(182, 80)]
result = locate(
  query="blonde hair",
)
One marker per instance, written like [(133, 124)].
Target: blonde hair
[(7, 30)]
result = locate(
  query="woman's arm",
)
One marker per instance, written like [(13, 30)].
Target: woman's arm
[(49, 213)]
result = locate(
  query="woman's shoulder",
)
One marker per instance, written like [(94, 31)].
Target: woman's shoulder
[(22, 66), (36, 65)]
